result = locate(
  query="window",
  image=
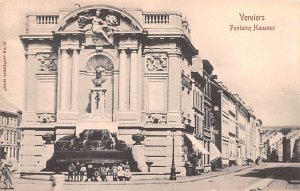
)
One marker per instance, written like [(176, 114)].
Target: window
[(17, 154), (14, 137), (11, 136), (201, 102), (7, 135), (19, 136)]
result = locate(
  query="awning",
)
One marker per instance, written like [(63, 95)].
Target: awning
[(197, 144), (214, 152)]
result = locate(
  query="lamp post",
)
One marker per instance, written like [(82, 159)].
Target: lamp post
[(173, 169)]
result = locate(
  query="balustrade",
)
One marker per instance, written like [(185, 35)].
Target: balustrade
[(157, 19), (46, 19)]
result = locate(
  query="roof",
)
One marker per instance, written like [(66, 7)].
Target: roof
[(6, 106)]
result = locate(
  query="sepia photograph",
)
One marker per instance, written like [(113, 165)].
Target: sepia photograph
[(128, 95)]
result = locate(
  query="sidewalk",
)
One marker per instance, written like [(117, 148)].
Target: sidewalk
[(183, 179)]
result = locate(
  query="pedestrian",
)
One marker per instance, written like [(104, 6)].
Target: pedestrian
[(1, 168), (58, 180), (95, 173), (127, 173), (257, 160), (71, 172), (77, 172), (103, 172), (7, 172), (89, 173), (82, 171), (114, 170), (121, 173)]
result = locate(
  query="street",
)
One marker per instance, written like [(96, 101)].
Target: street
[(267, 176)]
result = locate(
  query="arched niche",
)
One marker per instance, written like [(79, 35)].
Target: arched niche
[(88, 73)]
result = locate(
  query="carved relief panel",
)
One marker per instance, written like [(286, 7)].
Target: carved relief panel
[(156, 62), (100, 24), (47, 62)]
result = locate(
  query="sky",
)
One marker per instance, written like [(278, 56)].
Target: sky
[(263, 67)]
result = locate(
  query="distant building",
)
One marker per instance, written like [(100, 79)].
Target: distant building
[(10, 133), (260, 151), (208, 123), (291, 149), (281, 144), (221, 113)]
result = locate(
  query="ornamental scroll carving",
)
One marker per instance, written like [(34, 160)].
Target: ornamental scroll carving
[(46, 117), (100, 27), (156, 62), (47, 61)]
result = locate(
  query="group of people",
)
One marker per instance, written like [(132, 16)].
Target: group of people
[(77, 172), (6, 172)]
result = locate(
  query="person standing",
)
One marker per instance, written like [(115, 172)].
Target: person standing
[(58, 180), (257, 160), (121, 173), (114, 170), (89, 173), (95, 173), (7, 172), (103, 172), (127, 171), (71, 172), (82, 171), (1, 168), (77, 171)]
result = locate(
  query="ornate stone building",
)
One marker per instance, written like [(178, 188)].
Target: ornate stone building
[(144, 61)]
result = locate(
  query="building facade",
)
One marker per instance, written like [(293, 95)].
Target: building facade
[(145, 61), (10, 133), (237, 127), (128, 71)]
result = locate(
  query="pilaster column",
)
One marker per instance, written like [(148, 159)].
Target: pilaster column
[(64, 103), (122, 80), (174, 100), (133, 79), (74, 95)]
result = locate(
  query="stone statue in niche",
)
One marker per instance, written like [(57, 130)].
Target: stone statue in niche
[(99, 80), (156, 62), (98, 26), (48, 62)]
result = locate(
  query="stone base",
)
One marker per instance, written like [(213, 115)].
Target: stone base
[(91, 124), (138, 152)]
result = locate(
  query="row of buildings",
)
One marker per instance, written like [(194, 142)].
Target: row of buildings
[(10, 132), (151, 81)]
